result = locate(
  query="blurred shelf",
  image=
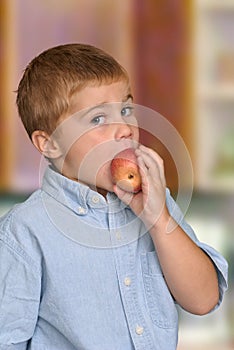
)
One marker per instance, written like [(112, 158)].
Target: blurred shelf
[(207, 347), (213, 86), (220, 91), (218, 5), (223, 185)]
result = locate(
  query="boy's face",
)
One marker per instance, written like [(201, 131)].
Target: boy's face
[(102, 125)]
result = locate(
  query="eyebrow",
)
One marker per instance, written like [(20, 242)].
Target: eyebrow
[(128, 97), (125, 99)]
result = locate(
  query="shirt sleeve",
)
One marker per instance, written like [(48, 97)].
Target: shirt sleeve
[(219, 262), (19, 295)]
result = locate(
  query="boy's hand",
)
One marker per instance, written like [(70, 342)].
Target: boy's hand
[(149, 203)]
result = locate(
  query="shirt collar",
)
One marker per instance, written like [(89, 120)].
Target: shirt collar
[(78, 197)]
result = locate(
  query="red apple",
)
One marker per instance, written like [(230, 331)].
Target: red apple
[(125, 171)]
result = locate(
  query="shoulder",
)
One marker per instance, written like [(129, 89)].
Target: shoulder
[(24, 210), (18, 227)]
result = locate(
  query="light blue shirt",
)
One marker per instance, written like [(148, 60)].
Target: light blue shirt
[(78, 271)]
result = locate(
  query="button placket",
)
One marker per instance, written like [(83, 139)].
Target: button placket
[(127, 281), (125, 260)]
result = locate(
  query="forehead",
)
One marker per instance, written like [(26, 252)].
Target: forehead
[(93, 95)]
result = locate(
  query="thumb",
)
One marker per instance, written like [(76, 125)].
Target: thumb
[(124, 196)]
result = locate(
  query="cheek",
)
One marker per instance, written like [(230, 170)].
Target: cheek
[(86, 158), (136, 134), (75, 156), (103, 177)]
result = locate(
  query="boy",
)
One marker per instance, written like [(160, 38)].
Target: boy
[(79, 269)]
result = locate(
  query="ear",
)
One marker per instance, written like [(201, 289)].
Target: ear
[(46, 145)]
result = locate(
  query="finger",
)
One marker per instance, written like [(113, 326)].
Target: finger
[(124, 196), (151, 152), (143, 172), (153, 155), (153, 162), (150, 165)]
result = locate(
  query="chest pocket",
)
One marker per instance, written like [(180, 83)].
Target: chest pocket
[(160, 303)]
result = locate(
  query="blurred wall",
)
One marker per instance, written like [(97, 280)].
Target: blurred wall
[(34, 27)]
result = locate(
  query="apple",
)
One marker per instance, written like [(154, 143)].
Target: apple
[(125, 171)]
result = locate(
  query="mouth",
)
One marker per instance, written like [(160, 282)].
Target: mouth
[(125, 144)]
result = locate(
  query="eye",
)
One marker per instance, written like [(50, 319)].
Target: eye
[(127, 111), (98, 120)]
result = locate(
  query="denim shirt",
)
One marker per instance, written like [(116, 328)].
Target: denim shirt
[(78, 271)]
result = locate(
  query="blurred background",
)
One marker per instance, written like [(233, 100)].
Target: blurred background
[(180, 58)]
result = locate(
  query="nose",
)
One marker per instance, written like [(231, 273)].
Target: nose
[(123, 130)]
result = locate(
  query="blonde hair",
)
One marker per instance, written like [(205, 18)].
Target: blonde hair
[(51, 79)]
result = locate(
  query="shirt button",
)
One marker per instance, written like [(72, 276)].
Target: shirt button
[(81, 210), (127, 281), (95, 199), (139, 330), (118, 235)]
